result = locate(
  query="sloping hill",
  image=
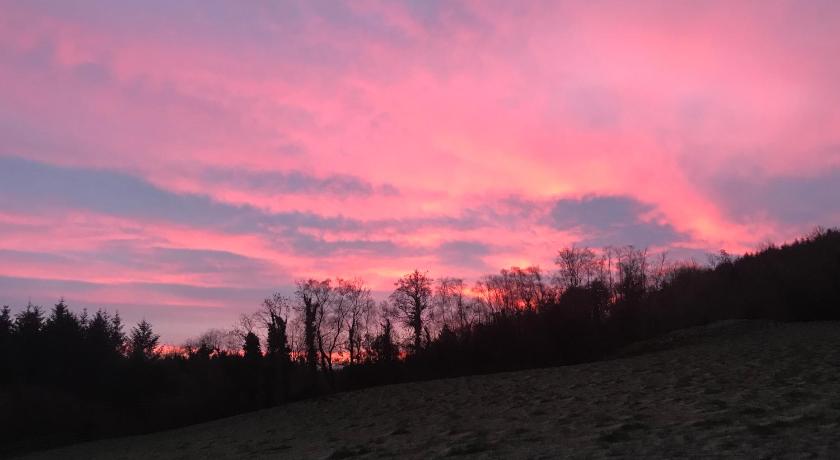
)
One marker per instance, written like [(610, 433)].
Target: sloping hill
[(737, 388)]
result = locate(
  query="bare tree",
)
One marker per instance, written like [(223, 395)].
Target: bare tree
[(577, 267), (482, 303), (530, 291), (296, 336), (331, 320), (453, 310), (632, 272), (605, 266), (215, 342), (722, 258), (498, 292), (659, 270), (514, 290), (248, 323), (360, 306), (411, 301), (465, 311)]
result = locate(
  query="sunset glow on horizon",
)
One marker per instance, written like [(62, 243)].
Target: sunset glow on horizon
[(180, 162)]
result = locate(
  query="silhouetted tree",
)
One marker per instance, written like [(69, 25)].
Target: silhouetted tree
[(530, 291), (453, 310), (659, 271), (214, 342), (251, 347), (514, 290), (28, 323), (116, 335), (721, 259), (273, 314), (384, 348), (63, 336), (359, 308), (252, 353), (5, 324), (330, 326), (577, 267), (499, 292), (312, 296), (411, 300), (274, 318), (6, 330), (632, 273), (28, 347), (143, 342), (58, 391), (104, 340)]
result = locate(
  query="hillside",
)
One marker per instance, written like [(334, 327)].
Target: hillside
[(733, 388)]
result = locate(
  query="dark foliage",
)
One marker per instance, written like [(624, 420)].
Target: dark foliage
[(66, 377)]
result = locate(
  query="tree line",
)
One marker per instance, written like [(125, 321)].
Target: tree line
[(67, 376)]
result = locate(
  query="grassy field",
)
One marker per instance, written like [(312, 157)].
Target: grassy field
[(746, 389)]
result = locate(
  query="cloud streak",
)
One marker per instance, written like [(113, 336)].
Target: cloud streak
[(239, 147)]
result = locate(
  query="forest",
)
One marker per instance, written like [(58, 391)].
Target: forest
[(68, 376)]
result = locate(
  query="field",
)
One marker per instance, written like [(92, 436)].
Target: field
[(747, 389)]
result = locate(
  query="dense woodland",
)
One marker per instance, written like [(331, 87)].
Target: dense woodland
[(67, 376)]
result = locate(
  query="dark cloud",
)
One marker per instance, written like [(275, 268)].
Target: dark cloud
[(597, 212), (617, 220), (207, 261), (223, 267), (27, 185), (297, 182), (319, 247), (792, 200), (12, 257), (233, 268), (463, 253)]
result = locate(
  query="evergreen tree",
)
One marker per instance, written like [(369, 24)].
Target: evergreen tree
[(143, 342), (6, 329), (99, 340), (29, 322), (116, 335), (252, 348), (277, 344), (28, 347), (6, 325), (63, 338)]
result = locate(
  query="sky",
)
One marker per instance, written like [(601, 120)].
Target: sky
[(179, 161)]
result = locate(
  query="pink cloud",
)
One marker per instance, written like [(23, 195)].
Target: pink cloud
[(457, 107)]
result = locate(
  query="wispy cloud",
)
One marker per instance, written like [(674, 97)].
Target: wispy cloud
[(225, 146)]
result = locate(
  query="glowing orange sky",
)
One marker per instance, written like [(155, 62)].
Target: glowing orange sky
[(179, 162)]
